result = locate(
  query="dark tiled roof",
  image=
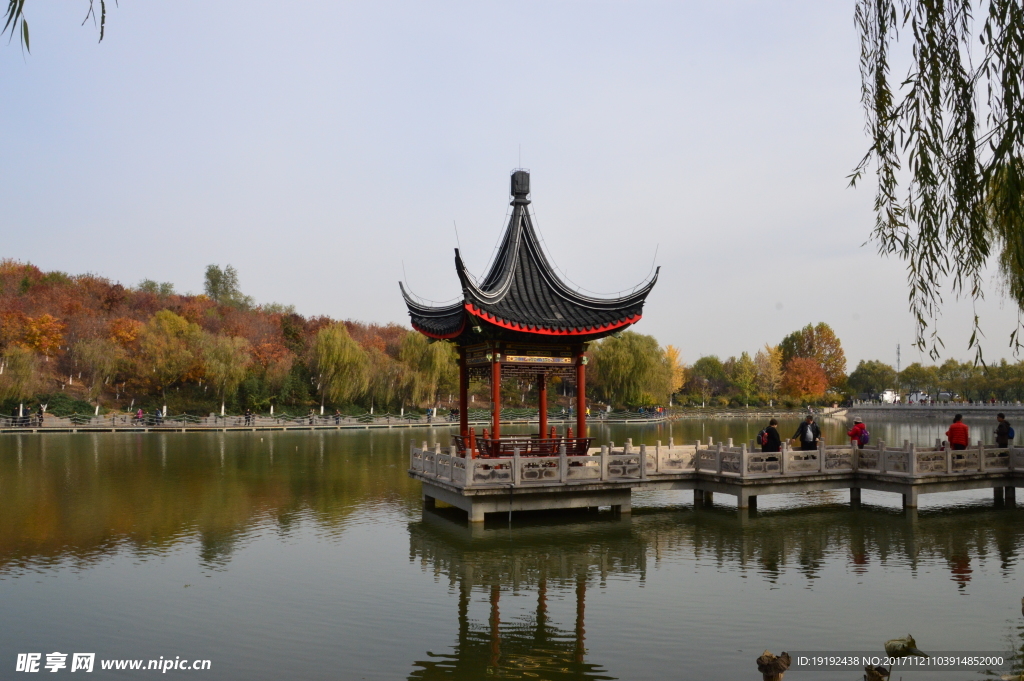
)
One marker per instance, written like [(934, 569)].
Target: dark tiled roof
[(523, 295)]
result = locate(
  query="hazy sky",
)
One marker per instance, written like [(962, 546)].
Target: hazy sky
[(319, 148)]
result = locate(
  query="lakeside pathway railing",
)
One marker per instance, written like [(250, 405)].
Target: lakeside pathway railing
[(606, 475), (31, 422)]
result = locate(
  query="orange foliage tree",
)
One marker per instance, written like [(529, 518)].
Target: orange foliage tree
[(804, 379)]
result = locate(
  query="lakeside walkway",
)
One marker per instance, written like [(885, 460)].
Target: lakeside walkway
[(184, 424)]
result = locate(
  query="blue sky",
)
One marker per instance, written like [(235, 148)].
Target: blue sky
[(324, 150)]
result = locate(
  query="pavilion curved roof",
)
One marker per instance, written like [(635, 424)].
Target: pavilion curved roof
[(523, 297)]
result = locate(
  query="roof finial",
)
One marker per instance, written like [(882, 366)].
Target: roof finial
[(520, 185)]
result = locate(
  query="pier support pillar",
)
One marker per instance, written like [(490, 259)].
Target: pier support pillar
[(708, 497), (1011, 496), (698, 497), (476, 513), (910, 498), (997, 495), (429, 503), (855, 497), (745, 499), (625, 508)]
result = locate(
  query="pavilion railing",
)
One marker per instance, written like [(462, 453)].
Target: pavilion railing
[(609, 463)]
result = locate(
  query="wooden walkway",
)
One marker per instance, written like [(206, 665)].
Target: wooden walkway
[(607, 475)]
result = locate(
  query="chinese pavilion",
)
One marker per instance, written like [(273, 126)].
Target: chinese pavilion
[(520, 320)]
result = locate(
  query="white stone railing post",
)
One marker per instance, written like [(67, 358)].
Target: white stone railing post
[(470, 472), (412, 455), (821, 456), (744, 452), (782, 457), (881, 456), (657, 456), (604, 462), (517, 471), (949, 458), (718, 458), (981, 456), (563, 464), (643, 461)]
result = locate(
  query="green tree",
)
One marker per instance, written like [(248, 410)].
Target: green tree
[(631, 370), (339, 364), (953, 136), (919, 378), (821, 344), (743, 376), (164, 288), (165, 348), (872, 376), (101, 359), (19, 372), (226, 361), (429, 365), (222, 286)]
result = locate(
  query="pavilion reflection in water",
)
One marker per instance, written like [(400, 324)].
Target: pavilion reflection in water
[(533, 645), (556, 559)]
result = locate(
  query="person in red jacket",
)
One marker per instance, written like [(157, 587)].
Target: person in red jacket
[(958, 435), (855, 433)]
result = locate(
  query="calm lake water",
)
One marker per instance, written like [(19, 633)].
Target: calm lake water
[(307, 556)]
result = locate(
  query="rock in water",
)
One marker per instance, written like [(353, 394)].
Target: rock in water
[(876, 674), (771, 667), (903, 647)]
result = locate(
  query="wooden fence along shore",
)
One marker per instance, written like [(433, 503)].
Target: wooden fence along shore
[(607, 475)]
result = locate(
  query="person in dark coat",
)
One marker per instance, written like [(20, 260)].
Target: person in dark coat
[(808, 434), (1002, 431), (774, 443)]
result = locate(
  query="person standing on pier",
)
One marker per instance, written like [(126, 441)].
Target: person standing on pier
[(958, 435), (772, 440), (808, 434), (856, 434), (1003, 431)]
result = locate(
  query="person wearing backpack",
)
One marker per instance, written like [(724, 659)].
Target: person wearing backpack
[(1004, 432), (858, 434), (769, 437)]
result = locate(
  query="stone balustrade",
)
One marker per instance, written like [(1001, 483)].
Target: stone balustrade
[(627, 463)]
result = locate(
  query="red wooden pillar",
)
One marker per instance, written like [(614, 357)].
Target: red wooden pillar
[(496, 397), (542, 403), (581, 395), (463, 394)]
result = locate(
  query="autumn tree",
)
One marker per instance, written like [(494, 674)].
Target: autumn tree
[(43, 335), (340, 365), (821, 344), (226, 360), (676, 367), (768, 365), (274, 362), (804, 379)]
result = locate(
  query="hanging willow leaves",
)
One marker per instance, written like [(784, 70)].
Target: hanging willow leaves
[(14, 17), (952, 134)]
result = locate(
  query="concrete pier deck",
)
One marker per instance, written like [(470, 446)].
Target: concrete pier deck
[(606, 476)]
